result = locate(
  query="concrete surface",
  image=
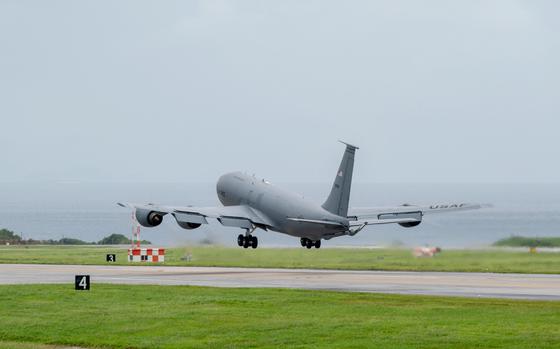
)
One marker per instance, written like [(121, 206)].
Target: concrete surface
[(522, 286)]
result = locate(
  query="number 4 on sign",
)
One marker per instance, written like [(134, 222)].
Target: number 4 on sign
[(81, 282)]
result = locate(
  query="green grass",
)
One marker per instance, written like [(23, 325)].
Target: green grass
[(27, 345), (505, 261), (521, 241), (181, 317)]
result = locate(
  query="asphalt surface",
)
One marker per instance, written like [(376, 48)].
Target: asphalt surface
[(521, 286)]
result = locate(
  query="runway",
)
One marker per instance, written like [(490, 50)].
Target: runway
[(521, 286)]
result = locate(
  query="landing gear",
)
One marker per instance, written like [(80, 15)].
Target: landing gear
[(305, 242), (247, 241), (240, 240)]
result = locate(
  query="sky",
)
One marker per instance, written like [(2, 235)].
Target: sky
[(183, 91)]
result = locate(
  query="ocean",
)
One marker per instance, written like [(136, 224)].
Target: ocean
[(88, 211)]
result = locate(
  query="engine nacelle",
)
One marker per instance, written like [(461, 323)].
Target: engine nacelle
[(409, 224), (188, 225), (148, 218)]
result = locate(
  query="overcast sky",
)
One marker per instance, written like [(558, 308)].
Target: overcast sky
[(431, 91)]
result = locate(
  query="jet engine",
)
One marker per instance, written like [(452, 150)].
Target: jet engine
[(148, 218), (409, 224)]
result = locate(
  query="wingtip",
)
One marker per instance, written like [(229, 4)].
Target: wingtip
[(481, 206)]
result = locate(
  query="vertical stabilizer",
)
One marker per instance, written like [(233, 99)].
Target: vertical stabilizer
[(337, 202)]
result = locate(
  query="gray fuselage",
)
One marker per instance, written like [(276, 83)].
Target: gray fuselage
[(278, 206)]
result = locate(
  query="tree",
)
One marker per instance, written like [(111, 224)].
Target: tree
[(9, 236), (117, 239), (71, 241)]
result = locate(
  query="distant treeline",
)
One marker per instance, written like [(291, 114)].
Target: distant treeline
[(521, 241), (9, 237)]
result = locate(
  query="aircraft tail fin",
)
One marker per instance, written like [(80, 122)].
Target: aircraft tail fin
[(337, 202)]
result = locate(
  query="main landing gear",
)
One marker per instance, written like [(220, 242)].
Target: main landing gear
[(247, 240), (305, 242)]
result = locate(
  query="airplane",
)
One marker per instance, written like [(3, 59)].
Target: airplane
[(250, 203)]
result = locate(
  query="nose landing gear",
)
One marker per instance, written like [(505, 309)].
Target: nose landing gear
[(305, 242)]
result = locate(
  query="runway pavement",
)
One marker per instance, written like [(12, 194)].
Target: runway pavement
[(522, 286)]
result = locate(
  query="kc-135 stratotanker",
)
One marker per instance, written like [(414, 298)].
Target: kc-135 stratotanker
[(250, 203)]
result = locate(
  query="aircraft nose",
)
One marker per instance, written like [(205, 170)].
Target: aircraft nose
[(222, 184), (226, 189)]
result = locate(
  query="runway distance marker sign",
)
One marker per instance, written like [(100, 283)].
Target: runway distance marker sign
[(82, 282)]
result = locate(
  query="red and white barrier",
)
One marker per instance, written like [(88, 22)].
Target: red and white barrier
[(154, 255)]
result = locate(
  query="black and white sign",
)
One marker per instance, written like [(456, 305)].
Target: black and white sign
[(82, 282), (111, 258)]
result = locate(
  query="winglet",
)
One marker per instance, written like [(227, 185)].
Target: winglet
[(349, 145)]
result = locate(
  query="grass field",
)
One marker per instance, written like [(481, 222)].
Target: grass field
[(182, 316), (27, 345), (329, 258)]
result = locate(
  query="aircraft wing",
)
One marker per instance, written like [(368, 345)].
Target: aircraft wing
[(241, 216), (317, 221), (405, 213)]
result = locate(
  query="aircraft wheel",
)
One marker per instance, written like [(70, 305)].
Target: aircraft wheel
[(303, 242), (318, 244), (254, 242), (247, 241), (309, 244), (240, 240)]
